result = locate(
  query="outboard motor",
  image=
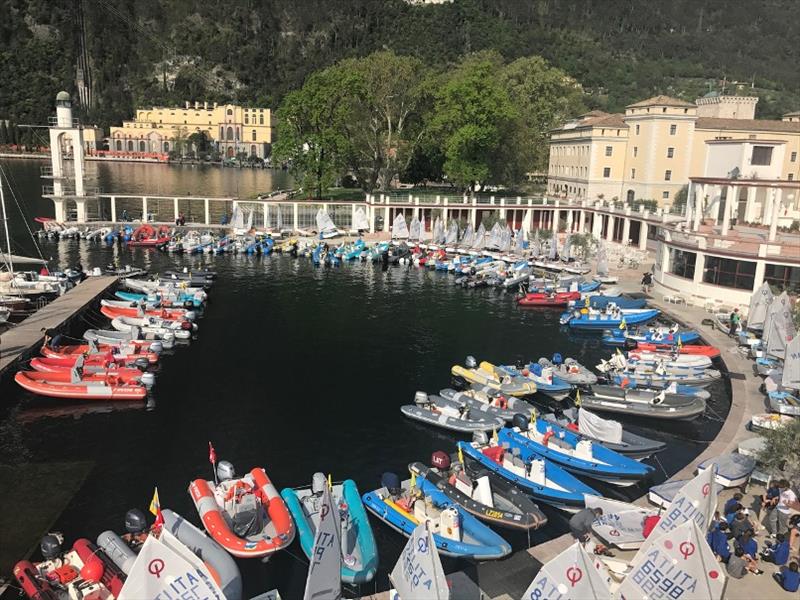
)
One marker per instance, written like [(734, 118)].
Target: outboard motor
[(51, 546), (421, 399), (480, 437), (318, 483), (157, 347), (440, 460), (141, 363), (471, 363), (148, 379), (225, 471), (187, 304), (557, 359), (520, 421), (135, 521), (391, 482)]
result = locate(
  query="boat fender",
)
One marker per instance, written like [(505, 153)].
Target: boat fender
[(156, 347), (480, 438), (440, 460), (557, 359), (186, 325), (502, 402), (546, 439), (117, 550)]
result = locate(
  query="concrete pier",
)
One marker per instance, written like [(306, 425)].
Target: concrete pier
[(18, 342)]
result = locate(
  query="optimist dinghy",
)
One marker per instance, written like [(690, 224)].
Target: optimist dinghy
[(359, 551), (571, 452), (453, 415), (486, 374), (766, 421), (494, 404), (732, 469), (784, 403), (480, 492), (456, 533), (542, 479), (245, 515), (643, 403), (610, 434)]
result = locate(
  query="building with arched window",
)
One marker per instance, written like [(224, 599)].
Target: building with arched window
[(234, 130)]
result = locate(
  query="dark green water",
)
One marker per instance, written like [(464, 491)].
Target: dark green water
[(296, 369)]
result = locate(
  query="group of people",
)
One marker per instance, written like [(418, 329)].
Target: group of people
[(736, 527)]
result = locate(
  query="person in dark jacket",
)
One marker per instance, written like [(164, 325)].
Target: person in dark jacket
[(580, 525), (718, 541)]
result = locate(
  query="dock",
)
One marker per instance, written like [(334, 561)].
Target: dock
[(17, 342)]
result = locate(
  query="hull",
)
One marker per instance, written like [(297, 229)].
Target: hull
[(641, 403), (85, 390), (555, 300)]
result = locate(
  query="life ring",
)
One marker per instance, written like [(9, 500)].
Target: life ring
[(547, 436)]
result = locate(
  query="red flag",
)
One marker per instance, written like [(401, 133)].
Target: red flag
[(212, 454), (159, 519)]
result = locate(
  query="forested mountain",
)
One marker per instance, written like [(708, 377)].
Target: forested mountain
[(255, 51)]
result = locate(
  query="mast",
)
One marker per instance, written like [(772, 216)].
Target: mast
[(5, 227)]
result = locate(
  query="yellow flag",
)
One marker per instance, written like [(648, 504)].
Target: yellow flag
[(623, 324), (460, 455), (577, 397), (587, 302), (155, 504), (330, 482), (533, 416), (413, 479), (680, 343), (494, 435)]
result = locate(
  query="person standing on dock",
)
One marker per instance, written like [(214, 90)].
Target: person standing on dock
[(734, 323)]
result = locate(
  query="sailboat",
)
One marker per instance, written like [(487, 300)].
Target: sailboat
[(279, 219), (325, 226), (760, 302), (452, 234), (480, 238), (399, 227), (418, 574), (360, 220), (438, 232), (324, 580), (469, 236), (415, 230), (678, 563), (572, 575), (621, 523), (602, 266)]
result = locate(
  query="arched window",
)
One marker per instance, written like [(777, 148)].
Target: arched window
[(119, 144), (230, 133), (246, 119), (166, 146), (631, 195), (222, 133), (261, 119), (254, 135), (142, 146), (230, 112), (253, 150), (130, 145)]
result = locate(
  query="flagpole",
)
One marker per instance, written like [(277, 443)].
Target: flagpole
[(212, 458)]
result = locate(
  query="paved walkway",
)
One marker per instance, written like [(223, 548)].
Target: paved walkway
[(17, 341)]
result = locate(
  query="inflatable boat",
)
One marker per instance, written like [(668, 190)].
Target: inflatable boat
[(648, 377), (124, 351), (657, 335), (82, 572), (546, 381), (643, 403), (182, 330), (486, 374), (610, 434), (595, 320), (174, 299), (494, 404), (657, 385), (359, 551), (453, 415), (220, 564), (91, 363), (54, 385), (482, 493), (62, 373), (549, 299), (115, 308), (456, 533), (667, 360), (568, 450), (600, 302), (539, 478), (693, 349), (142, 338), (245, 515), (569, 370)]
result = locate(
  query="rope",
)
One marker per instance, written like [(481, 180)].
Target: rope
[(658, 461), (716, 416)]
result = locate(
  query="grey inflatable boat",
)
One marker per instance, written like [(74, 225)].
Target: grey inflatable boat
[(107, 336), (631, 445), (450, 414), (571, 371), (220, 563), (643, 403), (488, 401)]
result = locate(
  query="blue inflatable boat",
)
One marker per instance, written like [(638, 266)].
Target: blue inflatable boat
[(152, 300), (573, 452), (456, 533), (359, 551), (620, 337), (594, 320), (542, 479), (553, 386), (600, 302)]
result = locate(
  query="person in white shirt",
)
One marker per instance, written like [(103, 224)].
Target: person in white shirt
[(787, 503)]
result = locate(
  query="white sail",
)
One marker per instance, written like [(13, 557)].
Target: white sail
[(325, 224), (791, 365), (565, 253), (605, 430), (678, 564), (778, 306), (516, 246), (572, 575), (237, 218), (621, 524), (324, 579), (279, 220), (505, 239), (399, 227), (602, 260), (415, 230), (418, 573), (161, 572), (759, 304), (553, 246), (452, 233), (696, 501), (360, 220), (249, 224), (438, 231), (495, 237), (780, 328), (480, 238), (469, 236)]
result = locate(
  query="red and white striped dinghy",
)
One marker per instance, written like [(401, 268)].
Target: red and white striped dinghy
[(114, 308), (108, 387)]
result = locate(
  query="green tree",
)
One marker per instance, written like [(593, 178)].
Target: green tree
[(199, 140), (3, 132), (779, 454), (473, 116)]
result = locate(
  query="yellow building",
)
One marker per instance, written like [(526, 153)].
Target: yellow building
[(652, 150), (233, 129)]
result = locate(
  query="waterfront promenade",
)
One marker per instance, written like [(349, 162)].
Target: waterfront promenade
[(18, 341)]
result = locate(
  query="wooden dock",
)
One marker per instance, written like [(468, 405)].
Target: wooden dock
[(18, 341)]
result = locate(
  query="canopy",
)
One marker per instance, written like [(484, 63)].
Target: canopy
[(596, 427)]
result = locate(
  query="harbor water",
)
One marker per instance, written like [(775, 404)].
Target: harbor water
[(297, 369)]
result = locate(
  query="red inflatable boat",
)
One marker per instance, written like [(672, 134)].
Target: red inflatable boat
[(63, 373), (709, 351), (147, 236), (54, 385), (170, 314), (559, 299), (126, 352), (251, 499)]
